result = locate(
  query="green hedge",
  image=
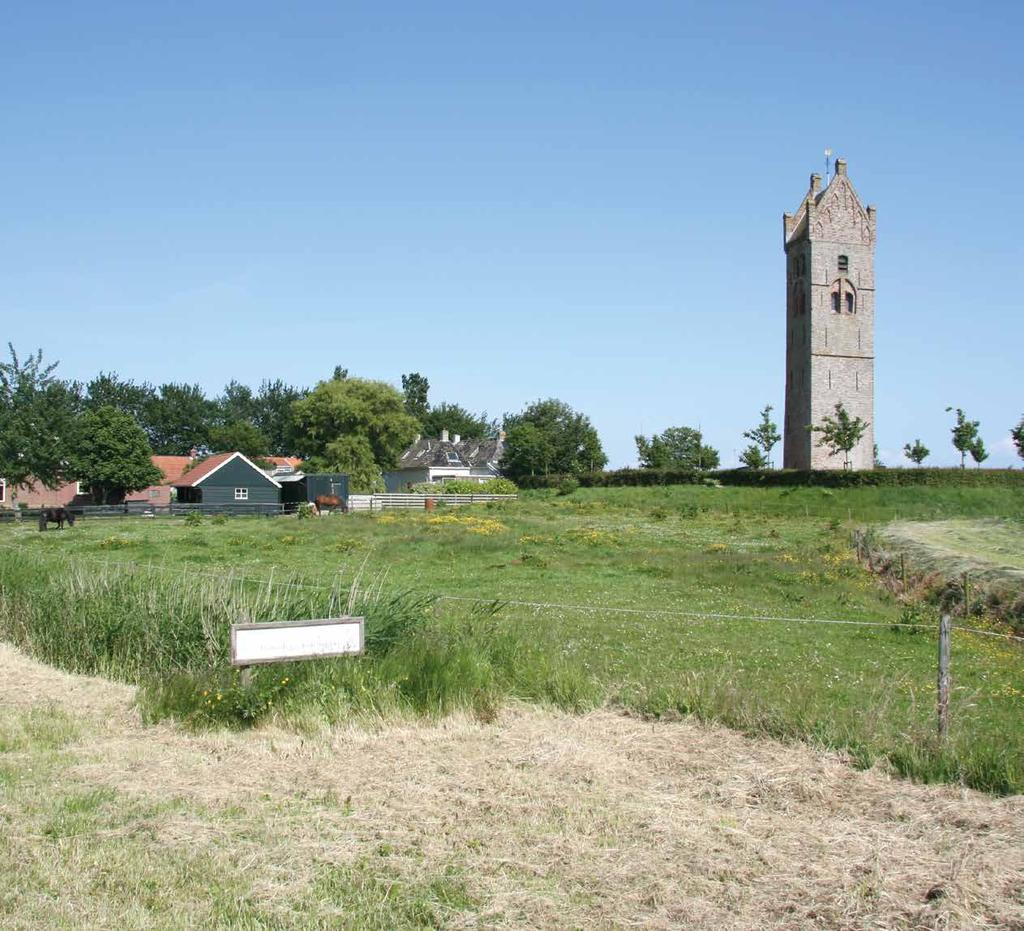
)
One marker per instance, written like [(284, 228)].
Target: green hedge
[(788, 478)]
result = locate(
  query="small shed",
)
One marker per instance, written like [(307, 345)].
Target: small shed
[(304, 488), (228, 479)]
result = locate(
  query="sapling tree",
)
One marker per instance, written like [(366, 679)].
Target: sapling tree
[(965, 435), (753, 457), (841, 433), (1017, 435), (978, 452), (916, 453), (764, 436)]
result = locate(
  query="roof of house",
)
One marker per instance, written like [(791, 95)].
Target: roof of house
[(173, 467), (472, 454), (293, 461), (207, 467)]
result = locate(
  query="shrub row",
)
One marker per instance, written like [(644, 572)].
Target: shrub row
[(786, 478)]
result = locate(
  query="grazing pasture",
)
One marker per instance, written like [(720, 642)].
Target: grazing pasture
[(665, 602)]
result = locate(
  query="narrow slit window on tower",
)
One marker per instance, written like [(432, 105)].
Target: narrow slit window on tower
[(830, 378), (844, 263), (835, 302), (851, 303)]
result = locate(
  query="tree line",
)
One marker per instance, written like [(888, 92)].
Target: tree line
[(103, 432)]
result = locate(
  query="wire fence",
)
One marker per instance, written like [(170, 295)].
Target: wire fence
[(500, 601)]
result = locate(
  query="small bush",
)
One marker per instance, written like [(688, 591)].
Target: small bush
[(193, 519), (568, 485), (219, 519)]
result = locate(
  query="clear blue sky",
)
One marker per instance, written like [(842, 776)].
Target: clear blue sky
[(578, 200)]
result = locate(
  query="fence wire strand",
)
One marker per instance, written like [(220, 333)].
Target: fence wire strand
[(500, 601)]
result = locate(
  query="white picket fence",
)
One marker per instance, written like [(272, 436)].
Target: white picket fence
[(379, 502)]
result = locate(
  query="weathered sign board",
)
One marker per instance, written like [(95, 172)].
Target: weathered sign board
[(279, 641)]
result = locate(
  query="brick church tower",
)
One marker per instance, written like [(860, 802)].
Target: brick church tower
[(830, 320)]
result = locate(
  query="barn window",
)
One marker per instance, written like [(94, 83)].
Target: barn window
[(79, 490), (241, 494), (844, 263), (453, 459)]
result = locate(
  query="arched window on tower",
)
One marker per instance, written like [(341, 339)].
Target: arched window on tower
[(844, 296)]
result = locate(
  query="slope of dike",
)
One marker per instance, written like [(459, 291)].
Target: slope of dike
[(539, 820)]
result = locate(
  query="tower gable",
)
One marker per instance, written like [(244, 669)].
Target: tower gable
[(833, 215)]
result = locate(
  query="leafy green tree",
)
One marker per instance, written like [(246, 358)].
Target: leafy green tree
[(529, 450), (978, 452), (110, 455), (240, 436), (753, 457), (676, 448), (37, 417), (275, 416), (179, 418), (916, 453), (965, 435), (561, 440), (840, 434), (237, 404), (1017, 435), (108, 390), (415, 387), (340, 374), (765, 435), (354, 407), (456, 419), (353, 455)]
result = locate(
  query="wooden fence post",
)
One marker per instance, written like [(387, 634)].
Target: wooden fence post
[(967, 596), (945, 630)]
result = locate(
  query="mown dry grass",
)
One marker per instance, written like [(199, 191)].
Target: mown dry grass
[(991, 549), (540, 820)]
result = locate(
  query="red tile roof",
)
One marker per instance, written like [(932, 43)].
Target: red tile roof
[(202, 470), (292, 461), (173, 467)]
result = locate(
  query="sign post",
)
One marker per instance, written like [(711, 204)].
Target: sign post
[(281, 641)]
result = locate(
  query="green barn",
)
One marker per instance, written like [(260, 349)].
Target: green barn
[(228, 480)]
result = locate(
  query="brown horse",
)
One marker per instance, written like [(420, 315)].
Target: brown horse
[(329, 503), (56, 516)]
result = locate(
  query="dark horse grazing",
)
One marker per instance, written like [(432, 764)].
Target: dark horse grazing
[(56, 516)]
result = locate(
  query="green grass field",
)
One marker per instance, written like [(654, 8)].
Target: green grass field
[(664, 601)]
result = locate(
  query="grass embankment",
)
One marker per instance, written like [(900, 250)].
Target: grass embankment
[(541, 820), (74, 600)]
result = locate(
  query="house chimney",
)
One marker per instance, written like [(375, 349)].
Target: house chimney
[(444, 436), (456, 438), (816, 183), (840, 166)]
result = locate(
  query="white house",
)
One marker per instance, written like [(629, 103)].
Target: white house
[(433, 460)]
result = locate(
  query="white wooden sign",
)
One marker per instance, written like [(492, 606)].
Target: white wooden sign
[(253, 644)]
